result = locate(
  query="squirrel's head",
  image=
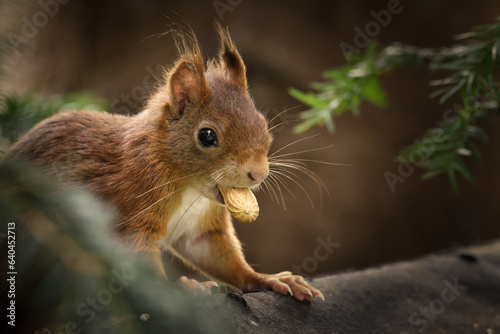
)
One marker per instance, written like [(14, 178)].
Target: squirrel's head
[(215, 135)]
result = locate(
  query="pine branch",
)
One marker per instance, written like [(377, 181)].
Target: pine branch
[(469, 70)]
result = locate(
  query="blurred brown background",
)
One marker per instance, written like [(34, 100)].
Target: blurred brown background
[(112, 48)]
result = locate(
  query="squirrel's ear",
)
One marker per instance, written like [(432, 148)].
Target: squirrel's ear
[(232, 62), (187, 84)]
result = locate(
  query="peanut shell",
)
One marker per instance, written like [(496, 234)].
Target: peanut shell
[(241, 202)]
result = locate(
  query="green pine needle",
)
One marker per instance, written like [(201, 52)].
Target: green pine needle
[(469, 71)]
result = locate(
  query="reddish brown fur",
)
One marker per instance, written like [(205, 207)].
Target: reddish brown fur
[(141, 165)]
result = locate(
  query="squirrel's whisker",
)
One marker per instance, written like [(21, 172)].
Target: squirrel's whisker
[(288, 171), (318, 161), (263, 188), (284, 111), (272, 180), (299, 166), (183, 214), (293, 143), (300, 152), (164, 184), (269, 187), (272, 193), (286, 165), (151, 205), (160, 200), (277, 174), (282, 123), (283, 174)]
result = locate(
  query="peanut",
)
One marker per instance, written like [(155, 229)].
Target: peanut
[(241, 202)]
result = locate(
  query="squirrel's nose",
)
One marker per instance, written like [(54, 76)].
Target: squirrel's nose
[(257, 175), (255, 178)]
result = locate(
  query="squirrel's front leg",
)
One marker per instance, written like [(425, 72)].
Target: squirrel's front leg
[(218, 254), (153, 257)]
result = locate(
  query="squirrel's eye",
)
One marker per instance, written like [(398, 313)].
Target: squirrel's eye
[(208, 137)]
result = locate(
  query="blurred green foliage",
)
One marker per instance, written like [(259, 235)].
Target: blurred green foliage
[(469, 70), (73, 275), (19, 114)]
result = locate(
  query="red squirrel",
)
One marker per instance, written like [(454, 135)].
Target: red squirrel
[(161, 169)]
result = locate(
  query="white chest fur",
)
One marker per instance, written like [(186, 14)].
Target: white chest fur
[(185, 220)]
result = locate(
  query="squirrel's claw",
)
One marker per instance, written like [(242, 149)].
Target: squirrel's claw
[(295, 285), (203, 288)]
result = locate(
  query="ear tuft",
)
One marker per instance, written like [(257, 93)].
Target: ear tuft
[(232, 63), (186, 83)]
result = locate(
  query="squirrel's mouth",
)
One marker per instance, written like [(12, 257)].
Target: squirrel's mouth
[(218, 196)]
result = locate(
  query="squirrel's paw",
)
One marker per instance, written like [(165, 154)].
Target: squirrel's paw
[(285, 282), (198, 288)]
